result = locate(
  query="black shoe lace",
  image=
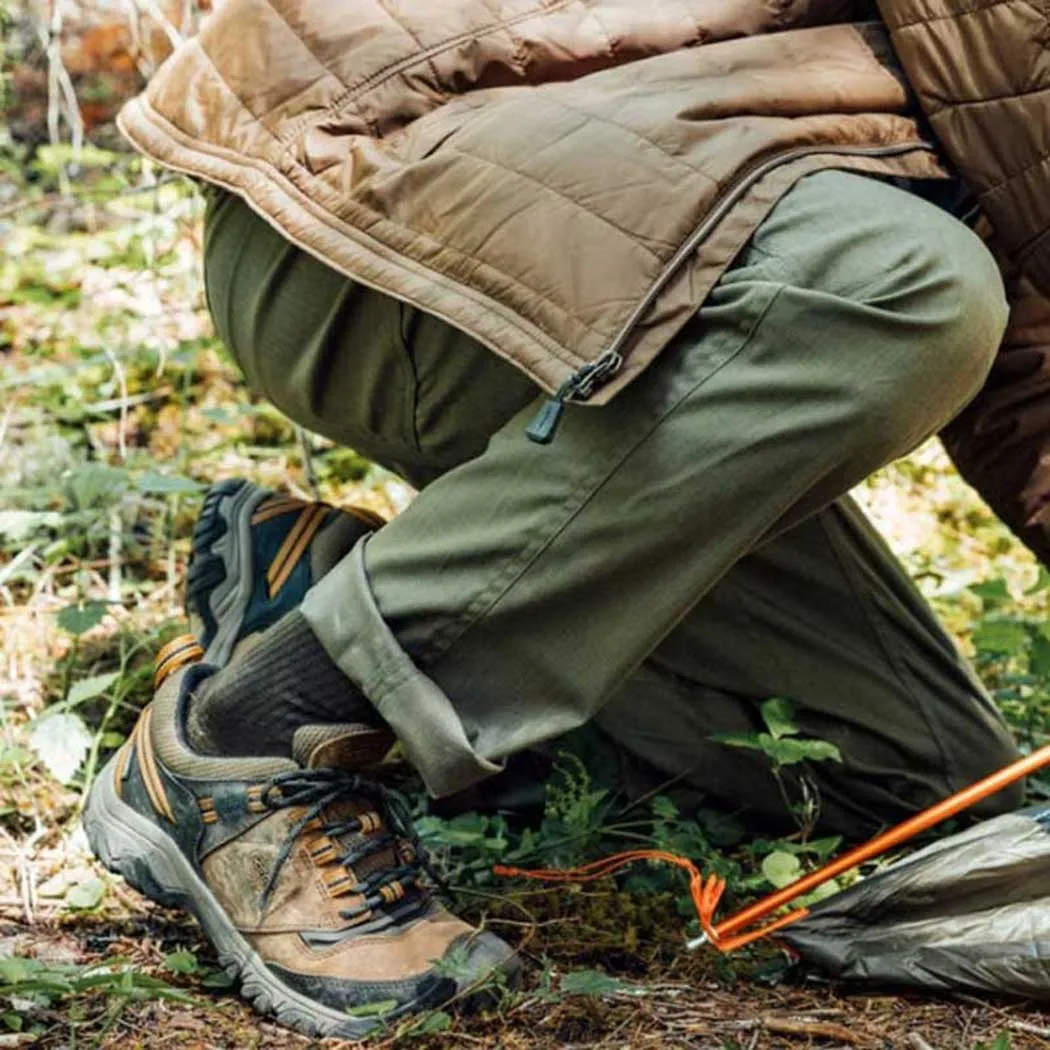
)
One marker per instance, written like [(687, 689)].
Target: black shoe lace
[(319, 789)]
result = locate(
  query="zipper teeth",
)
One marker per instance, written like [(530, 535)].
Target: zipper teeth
[(716, 215)]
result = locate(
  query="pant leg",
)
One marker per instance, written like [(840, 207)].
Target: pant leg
[(522, 588), (824, 617), (400, 387)]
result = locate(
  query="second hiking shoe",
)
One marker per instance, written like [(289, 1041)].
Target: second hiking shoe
[(255, 554)]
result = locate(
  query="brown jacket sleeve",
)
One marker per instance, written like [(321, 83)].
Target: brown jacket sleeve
[(1001, 442), (981, 71)]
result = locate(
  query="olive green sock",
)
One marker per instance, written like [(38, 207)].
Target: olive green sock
[(286, 680)]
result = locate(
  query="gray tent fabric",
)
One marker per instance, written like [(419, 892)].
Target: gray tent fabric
[(971, 912)]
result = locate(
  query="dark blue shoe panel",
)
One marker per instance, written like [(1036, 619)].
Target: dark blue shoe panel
[(199, 815), (264, 610)]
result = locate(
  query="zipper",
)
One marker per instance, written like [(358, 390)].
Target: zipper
[(578, 387), (584, 381)]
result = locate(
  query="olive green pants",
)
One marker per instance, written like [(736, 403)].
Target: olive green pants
[(676, 557)]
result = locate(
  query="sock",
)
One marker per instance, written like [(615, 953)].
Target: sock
[(254, 705)]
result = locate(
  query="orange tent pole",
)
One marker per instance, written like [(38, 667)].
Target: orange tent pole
[(896, 836)]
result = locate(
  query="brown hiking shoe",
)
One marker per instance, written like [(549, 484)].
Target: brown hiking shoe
[(305, 875)]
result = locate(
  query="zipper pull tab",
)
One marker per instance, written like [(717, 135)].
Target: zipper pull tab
[(580, 385), (545, 422)]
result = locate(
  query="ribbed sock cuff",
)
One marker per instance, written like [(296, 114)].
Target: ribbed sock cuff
[(287, 680)]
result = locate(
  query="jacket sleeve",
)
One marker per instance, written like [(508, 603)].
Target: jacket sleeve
[(981, 71), (1001, 441)]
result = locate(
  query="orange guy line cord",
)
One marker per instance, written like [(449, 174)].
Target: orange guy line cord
[(727, 936)]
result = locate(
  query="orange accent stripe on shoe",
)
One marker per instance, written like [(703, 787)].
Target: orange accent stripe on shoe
[(179, 651), (275, 508), (120, 768), (148, 766), (295, 544)]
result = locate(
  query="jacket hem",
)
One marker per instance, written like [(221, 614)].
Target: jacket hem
[(505, 332)]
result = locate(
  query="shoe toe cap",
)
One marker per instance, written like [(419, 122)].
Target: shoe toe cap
[(488, 964)]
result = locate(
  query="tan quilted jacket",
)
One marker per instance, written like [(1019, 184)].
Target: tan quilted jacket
[(564, 179)]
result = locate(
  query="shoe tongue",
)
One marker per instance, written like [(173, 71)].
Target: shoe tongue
[(349, 746)]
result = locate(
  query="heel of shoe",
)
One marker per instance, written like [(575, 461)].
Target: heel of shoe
[(130, 846)]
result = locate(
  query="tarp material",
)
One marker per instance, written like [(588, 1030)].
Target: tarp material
[(971, 912)]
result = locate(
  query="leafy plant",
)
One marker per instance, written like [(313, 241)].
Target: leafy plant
[(30, 986), (783, 746), (1011, 641), (781, 743), (593, 984)]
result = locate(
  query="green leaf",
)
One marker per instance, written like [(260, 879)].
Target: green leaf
[(376, 1009), (86, 895), (664, 808), (781, 868), (820, 751), (1039, 657), (1001, 637), (95, 483), (78, 619), (165, 484), (61, 742), (19, 525), (1001, 1042), (791, 751), (15, 970), (435, 1022), (779, 716), (181, 962), (721, 829), (89, 688), (992, 592), (821, 893), (13, 1021), (590, 982), (823, 848), (218, 979)]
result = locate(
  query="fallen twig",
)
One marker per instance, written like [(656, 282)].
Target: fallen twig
[(812, 1030), (1029, 1029)]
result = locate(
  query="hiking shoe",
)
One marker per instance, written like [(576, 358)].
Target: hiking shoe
[(255, 554), (305, 875)]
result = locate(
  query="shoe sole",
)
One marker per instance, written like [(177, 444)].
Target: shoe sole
[(221, 574), (148, 860)]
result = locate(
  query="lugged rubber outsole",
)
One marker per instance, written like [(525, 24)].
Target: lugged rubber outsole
[(150, 861), (220, 578)]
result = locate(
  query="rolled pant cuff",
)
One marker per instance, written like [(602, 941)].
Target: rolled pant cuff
[(341, 610)]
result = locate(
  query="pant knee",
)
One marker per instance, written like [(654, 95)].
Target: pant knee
[(943, 313)]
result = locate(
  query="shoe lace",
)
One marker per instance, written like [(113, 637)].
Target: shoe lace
[(317, 790)]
